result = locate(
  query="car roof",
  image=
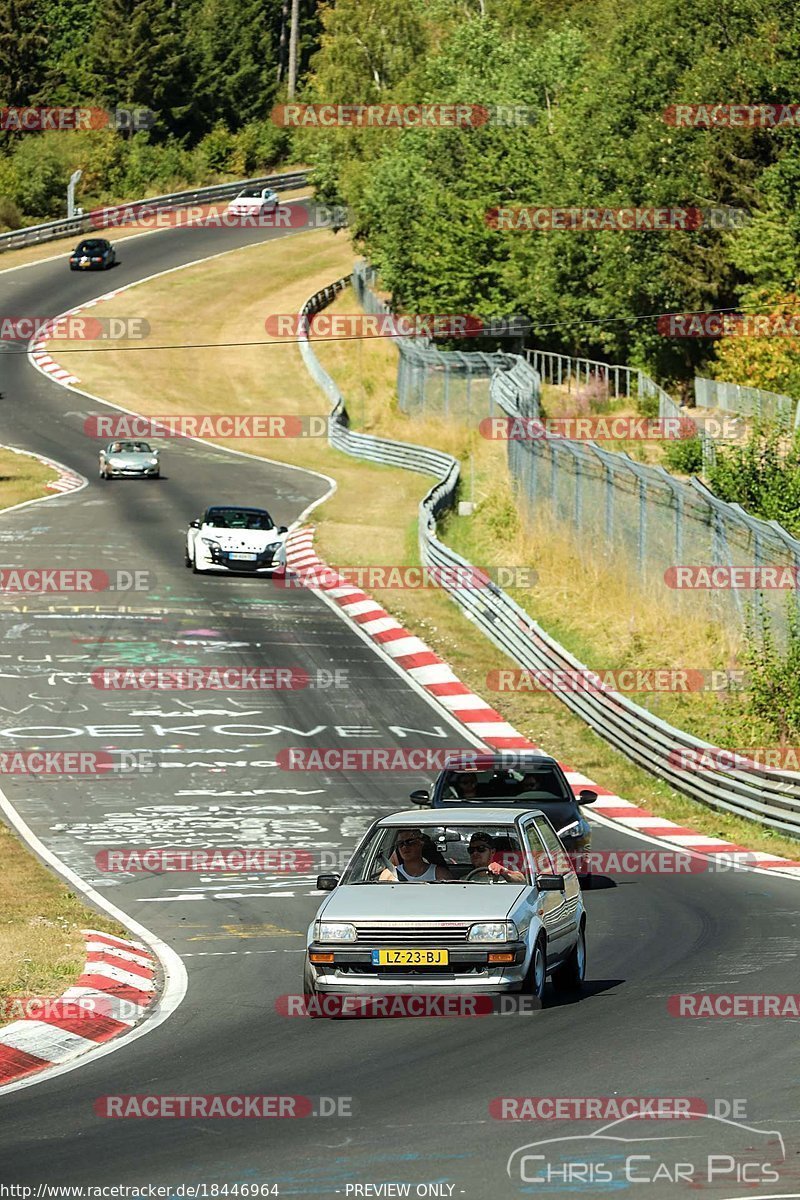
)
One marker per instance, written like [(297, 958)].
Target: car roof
[(481, 760), (239, 508), (470, 816)]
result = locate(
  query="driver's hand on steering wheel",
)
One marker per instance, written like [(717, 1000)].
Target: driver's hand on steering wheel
[(496, 868)]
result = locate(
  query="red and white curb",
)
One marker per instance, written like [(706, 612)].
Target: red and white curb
[(66, 481), (120, 974), (440, 681), (38, 347)]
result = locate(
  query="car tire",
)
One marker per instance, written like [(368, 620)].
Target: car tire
[(570, 975), (187, 562), (103, 474), (310, 992), (536, 975), (157, 475)]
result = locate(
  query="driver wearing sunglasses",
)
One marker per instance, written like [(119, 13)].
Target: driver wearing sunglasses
[(412, 866), (483, 857)]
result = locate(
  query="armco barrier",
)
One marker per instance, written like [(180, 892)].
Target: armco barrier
[(50, 230), (769, 797)]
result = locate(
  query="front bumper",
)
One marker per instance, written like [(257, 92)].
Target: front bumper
[(468, 971), (131, 472), (211, 559)]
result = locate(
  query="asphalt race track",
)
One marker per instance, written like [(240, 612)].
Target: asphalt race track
[(416, 1091)]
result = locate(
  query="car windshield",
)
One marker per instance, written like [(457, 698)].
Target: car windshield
[(91, 247), (502, 785), (251, 193), (463, 852), (238, 518), (131, 448)]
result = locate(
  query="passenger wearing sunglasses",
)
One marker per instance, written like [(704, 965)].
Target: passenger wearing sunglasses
[(412, 867), (483, 856)]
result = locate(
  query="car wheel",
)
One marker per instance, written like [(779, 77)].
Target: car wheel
[(187, 562), (156, 475), (536, 976), (570, 975), (103, 474), (310, 992)]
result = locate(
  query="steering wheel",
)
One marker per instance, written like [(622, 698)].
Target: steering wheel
[(485, 871)]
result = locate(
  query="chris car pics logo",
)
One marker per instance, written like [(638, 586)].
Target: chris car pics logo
[(627, 1154)]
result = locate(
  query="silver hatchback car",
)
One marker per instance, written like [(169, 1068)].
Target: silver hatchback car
[(500, 908)]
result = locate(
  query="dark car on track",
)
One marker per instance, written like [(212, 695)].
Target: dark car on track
[(515, 779), (92, 254)]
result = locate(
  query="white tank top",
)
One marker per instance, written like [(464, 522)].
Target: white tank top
[(425, 877)]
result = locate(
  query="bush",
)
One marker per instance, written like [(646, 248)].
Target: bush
[(684, 456), (774, 695), (763, 476)]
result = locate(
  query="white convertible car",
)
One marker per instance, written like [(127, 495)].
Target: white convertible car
[(231, 538)]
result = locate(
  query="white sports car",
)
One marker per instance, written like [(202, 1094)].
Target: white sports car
[(254, 202), (231, 538)]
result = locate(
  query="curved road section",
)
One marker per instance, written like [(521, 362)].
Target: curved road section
[(403, 1106)]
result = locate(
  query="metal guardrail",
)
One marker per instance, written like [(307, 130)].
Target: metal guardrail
[(769, 797), (92, 221)]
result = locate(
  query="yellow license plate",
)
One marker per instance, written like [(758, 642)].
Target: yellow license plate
[(410, 958)]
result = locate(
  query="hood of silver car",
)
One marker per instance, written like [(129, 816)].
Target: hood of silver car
[(422, 901), (131, 459)]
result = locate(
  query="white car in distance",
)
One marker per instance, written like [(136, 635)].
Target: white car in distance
[(253, 202), (232, 538)]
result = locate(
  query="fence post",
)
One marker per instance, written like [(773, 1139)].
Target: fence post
[(609, 504), (642, 548)]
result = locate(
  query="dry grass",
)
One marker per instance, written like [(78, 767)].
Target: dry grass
[(22, 478), (42, 951), (591, 605)]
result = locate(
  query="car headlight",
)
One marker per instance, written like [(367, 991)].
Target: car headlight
[(493, 931), (273, 546), (153, 462), (334, 931), (211, 542)]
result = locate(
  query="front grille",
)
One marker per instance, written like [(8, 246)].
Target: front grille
[(425, 934)]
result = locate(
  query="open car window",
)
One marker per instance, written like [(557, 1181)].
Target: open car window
[(445, 845)]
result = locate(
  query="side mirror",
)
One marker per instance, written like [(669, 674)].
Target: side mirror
[(283, 529), (550, 883), (586, 797), (420, 796), (196, 524), (326, 883)]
